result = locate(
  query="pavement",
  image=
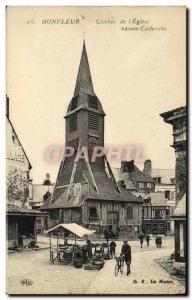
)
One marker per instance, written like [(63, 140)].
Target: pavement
[(147, 277)]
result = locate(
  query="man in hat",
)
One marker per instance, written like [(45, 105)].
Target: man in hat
[(126, 252)]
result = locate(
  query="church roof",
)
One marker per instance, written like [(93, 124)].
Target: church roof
[(107, 191)]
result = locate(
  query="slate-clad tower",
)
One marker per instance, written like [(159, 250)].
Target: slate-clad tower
[(84, 124), (84, 193)]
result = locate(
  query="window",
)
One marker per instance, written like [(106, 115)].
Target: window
[(93, 121), (93, 102), (157, 214), (147, 200), (92, 211), (148, 185), (141, 185), (167, 194), (73, 122), (130, 212), (157, 179), (93, 214)]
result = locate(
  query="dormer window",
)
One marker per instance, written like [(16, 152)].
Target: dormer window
[(157, 179), (147, 200), (93, 102)]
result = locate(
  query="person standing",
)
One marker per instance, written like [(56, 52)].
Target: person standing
[(160, 241), (157, 241), (141, 240), (126, 252), (66, 242), (112, 247), (147, 239), (106, 235), (89, 249)]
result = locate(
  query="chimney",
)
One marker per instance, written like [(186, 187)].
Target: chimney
[(7, 107), (127, 166), (47, 176), (47, 180), (147, 167)]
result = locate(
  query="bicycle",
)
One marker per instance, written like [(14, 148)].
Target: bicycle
[(119, 264)]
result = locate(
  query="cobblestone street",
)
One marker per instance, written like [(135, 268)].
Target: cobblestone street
[(146, 277)]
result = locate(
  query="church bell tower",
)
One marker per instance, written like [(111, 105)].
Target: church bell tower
[(84, 124)]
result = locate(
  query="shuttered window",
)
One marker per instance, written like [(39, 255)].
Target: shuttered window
[(93, 121)]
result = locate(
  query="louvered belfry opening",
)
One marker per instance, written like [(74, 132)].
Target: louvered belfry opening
[(93, 121)]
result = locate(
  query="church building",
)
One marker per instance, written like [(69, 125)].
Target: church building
[(86, 191)]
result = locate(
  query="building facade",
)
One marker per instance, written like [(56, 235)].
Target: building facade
[(84, 193), (165, 183), (158, 205), (155, 214), (41, 192), (21, 220), (178, 119)]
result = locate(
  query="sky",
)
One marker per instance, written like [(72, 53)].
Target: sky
[(136, 75)]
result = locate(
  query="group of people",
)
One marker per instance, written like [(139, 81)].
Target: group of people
[(125, 250), (141, 238), (109, 234), (158, 240)]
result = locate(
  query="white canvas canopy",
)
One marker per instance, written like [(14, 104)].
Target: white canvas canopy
[(73, 228)]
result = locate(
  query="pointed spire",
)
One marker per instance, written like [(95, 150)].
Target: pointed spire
[(84, 81)]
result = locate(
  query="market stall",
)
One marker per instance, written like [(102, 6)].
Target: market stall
[(69, 253)]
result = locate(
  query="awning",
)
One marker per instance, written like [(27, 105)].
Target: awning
[(13, 210), (73, 228)]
